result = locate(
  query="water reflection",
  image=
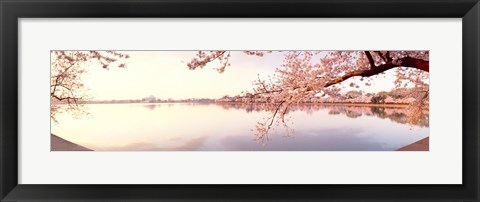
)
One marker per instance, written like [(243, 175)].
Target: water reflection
[(195, 144), (349, 138), (397, 113), (228, 127), (150, 106)]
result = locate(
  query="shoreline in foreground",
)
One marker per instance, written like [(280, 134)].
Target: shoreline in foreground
[(60, 144), (420, 145)]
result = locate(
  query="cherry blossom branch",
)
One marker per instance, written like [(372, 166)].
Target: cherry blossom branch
[(402, 62), (204, 57)]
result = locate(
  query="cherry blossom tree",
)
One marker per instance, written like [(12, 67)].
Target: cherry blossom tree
[(67, 91), (305, 74)]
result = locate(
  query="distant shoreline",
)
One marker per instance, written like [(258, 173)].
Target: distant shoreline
[(365, 104), (337, 103), (308, 103)]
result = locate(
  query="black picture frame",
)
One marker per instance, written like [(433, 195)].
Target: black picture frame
[(11, 11)]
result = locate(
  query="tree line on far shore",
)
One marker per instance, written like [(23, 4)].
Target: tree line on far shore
[(395, 96)]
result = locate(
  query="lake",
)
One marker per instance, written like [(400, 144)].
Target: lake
[(230, 127)]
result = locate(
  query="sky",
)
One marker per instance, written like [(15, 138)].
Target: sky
[(165, 75)]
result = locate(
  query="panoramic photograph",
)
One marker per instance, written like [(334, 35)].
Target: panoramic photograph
[(239, 100)]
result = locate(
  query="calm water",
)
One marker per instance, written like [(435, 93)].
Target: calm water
[(229, 127)]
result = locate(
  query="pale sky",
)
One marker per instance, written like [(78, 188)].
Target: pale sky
[(164, 74)]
